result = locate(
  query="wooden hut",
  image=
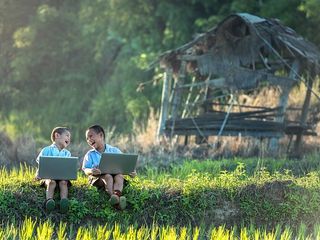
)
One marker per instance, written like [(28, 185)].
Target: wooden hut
[(241, 53)]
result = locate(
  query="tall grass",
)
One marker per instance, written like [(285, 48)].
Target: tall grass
[(33, 229), (22, 173), (61, 232)]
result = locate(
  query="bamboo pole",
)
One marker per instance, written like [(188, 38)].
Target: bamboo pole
[(186, 107), (167, 78)]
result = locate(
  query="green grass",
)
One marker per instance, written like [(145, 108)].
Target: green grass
[(196, 196), (32, 229), (297, 167)]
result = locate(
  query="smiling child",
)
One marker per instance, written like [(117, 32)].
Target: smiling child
[(60, 138)]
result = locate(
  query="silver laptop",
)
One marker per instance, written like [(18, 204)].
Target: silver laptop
[(58, 168), (114, 163)]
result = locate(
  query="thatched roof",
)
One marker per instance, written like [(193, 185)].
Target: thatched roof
[(245, 49)]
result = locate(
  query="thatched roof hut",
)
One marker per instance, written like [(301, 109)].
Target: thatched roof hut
[(242, 52)]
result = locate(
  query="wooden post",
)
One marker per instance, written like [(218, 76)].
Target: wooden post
[(186, 140), (283, 102), (186, 109), (303, 118), (203, 109), (199, 138), (177, 95), (164, 101)]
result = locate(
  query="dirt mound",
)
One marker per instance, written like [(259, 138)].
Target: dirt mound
[(272, 191)]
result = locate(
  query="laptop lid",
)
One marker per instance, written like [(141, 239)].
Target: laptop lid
[(114, 163), (58, 168)]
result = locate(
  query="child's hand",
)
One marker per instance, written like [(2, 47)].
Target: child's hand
[(36, 178), (96, 171), (133, 174)]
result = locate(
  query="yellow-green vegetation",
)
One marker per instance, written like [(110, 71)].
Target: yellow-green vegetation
[(33, 229), (191, 199)]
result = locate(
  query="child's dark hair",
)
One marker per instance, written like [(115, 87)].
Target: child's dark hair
[(59, 130), (97, 129)]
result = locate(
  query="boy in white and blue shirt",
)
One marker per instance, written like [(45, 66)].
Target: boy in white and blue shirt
[(61, 138), (111, 183)]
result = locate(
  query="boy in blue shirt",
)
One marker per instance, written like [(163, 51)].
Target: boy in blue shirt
[(111, 183), (61, 138)]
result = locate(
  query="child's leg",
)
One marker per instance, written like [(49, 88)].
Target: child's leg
[(108, 181), (51, 185), (64, 203), (63, 185), (118, 183), (117, 191)]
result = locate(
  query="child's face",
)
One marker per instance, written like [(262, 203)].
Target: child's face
[(62, 140), (95, 140)]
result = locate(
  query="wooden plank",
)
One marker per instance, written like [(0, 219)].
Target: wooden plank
[(238, 125), (231, 122), (232, 117), (240, 115), (266, 134), (244, 106), (218, 82), (190, 121), (232, 127)]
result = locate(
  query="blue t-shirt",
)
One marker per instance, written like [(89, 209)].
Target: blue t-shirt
[(53, 151), (92, 157)]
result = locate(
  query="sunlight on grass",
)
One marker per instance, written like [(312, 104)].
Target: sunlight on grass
[(27, 229), (32, 229), (61, 233), (22, 174), (103, 233), (45, 230)]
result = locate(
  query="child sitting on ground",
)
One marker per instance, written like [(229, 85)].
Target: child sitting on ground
[(111, 183), (60, 137)]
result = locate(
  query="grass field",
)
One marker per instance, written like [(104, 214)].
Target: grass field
[(226, 199)]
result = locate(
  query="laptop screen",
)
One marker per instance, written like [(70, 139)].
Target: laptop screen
[(58, 168), (115, 163)]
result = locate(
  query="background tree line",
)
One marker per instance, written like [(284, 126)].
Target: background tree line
[(79, 62)]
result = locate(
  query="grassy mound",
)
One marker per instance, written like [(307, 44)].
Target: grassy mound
[(192, 194)]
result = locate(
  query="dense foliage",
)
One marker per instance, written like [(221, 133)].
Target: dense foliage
[(79, 62)]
